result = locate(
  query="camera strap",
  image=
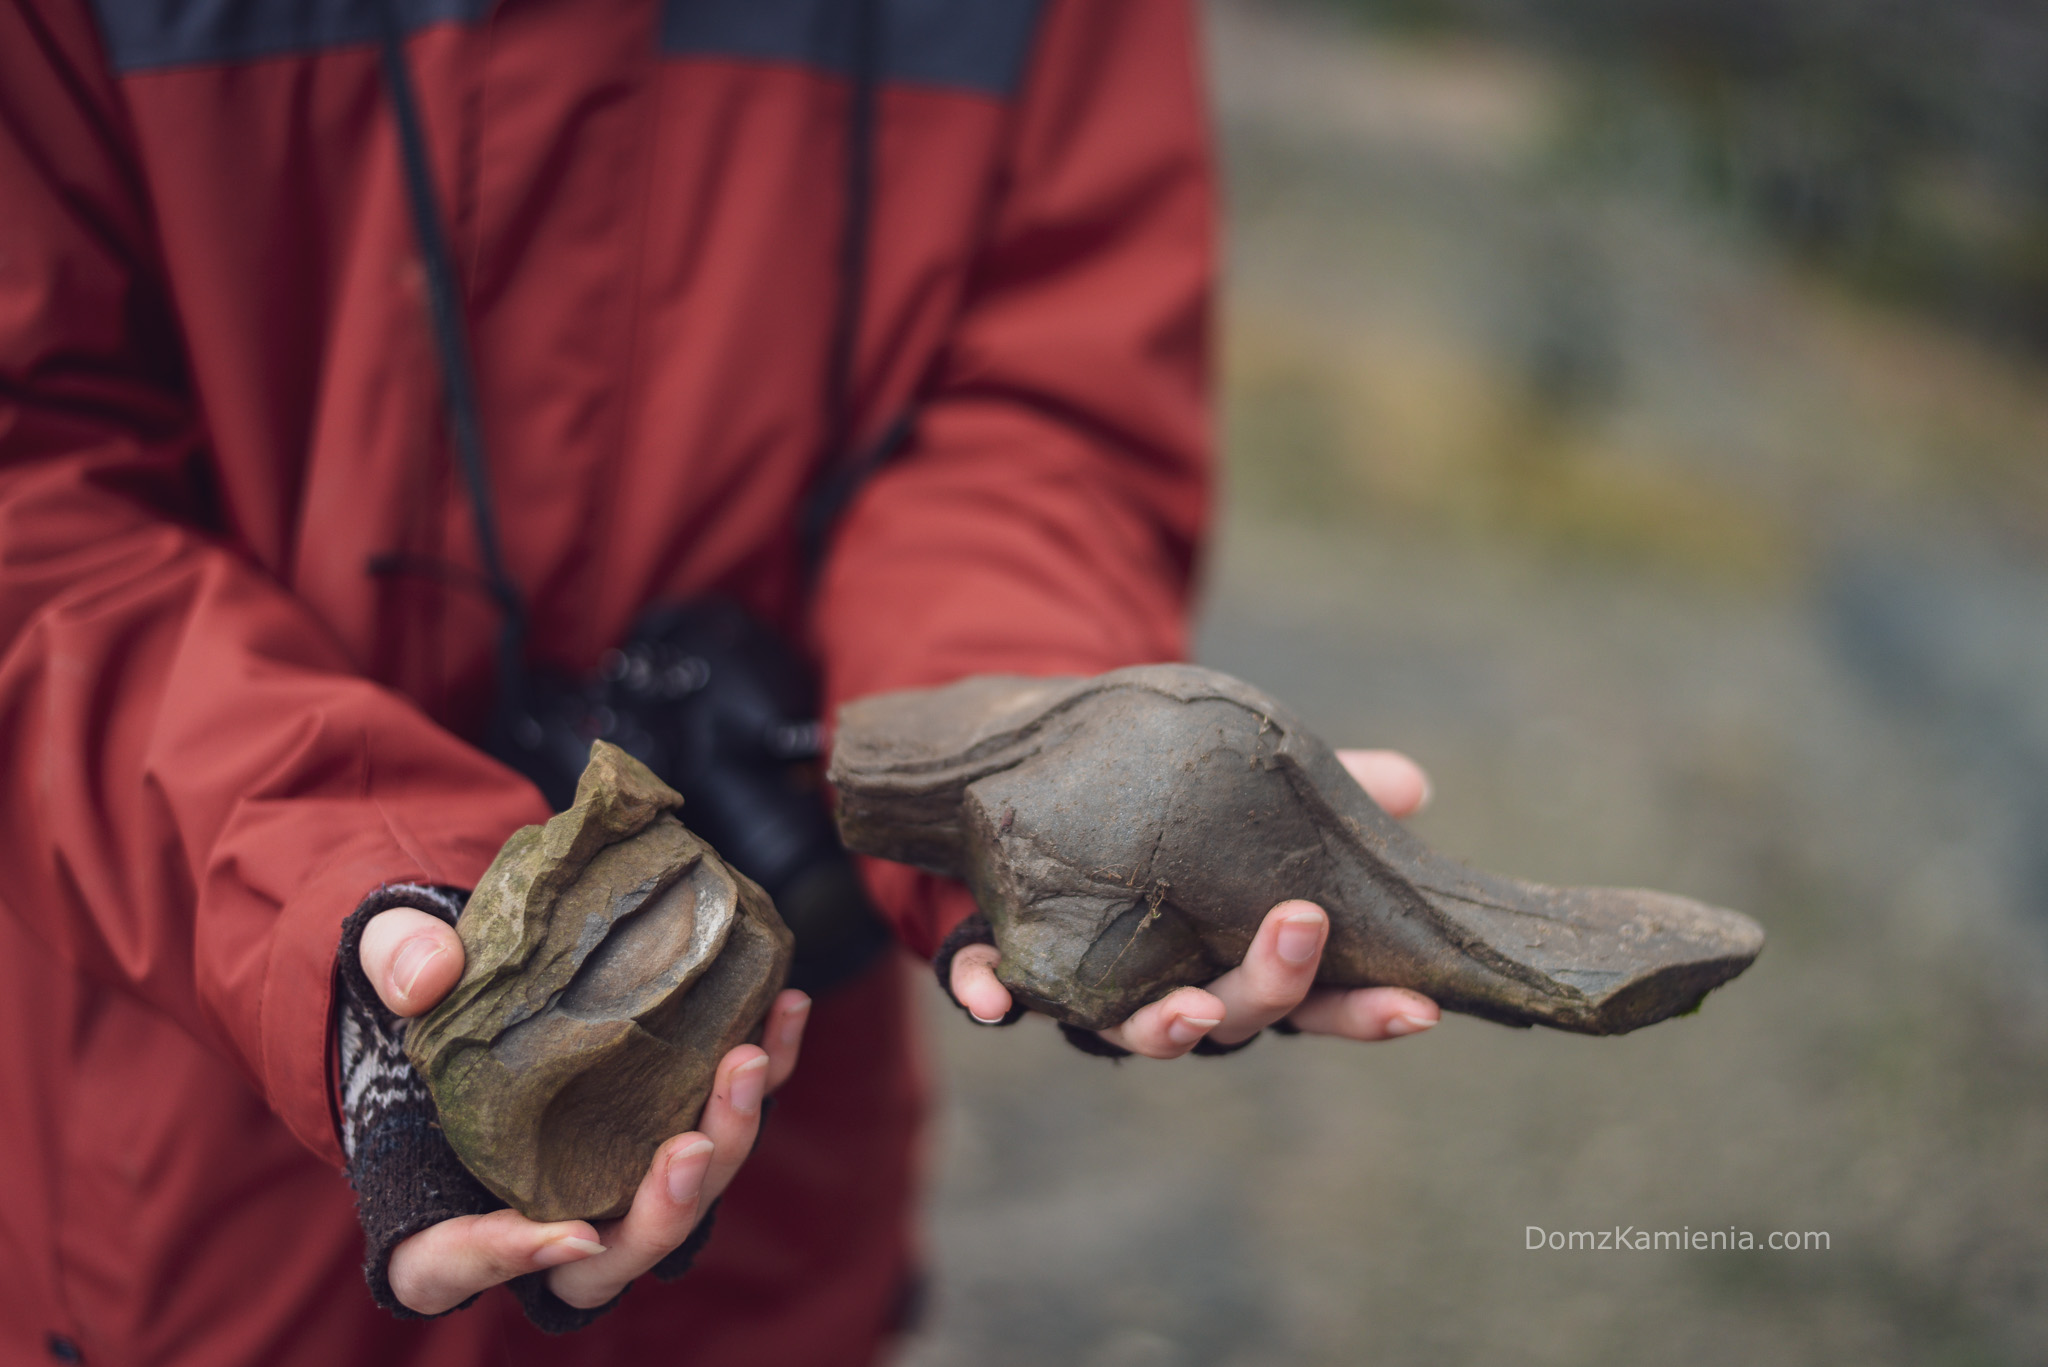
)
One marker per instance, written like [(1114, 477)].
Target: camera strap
[(458, 376), (844, 470), (841, 474)]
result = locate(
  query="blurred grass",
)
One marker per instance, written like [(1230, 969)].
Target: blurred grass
[(1460, 314), (1376, 434), (1557, 470), (1898, 145)]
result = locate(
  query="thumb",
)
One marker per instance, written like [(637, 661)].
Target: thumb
[(1389, 778), (975, 985), (411, 958)]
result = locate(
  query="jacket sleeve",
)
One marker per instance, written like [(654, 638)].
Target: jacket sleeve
[(195, 790), (1045, 516)]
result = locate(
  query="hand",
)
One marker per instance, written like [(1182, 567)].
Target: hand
[(1275, 981), (413, 960)]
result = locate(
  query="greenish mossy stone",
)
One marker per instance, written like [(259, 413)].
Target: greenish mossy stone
[(612, 960)]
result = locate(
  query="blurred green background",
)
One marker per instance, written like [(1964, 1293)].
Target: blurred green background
[(1639, 413)]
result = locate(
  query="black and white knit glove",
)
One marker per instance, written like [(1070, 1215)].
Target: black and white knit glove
[(405, 1175)]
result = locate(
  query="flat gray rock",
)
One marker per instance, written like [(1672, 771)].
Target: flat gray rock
[(613, 960), (1126, 834)]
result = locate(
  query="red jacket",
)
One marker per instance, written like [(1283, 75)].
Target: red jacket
[(219, 400)]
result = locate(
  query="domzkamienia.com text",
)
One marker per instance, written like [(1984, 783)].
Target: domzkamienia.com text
[(1686, 1239)]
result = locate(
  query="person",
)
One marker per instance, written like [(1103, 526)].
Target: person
[(247, 667)]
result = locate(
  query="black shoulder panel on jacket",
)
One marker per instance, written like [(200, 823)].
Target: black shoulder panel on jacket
[(141, 34), (977, 45)]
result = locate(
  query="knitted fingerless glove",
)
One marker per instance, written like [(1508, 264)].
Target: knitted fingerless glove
[(405, 1175)]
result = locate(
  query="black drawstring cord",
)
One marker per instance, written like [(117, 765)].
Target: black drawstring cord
[(853, 238), (843, 469), (840, 481), (404, 565), (458, 378)]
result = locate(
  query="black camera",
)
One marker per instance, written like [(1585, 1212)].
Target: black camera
[(722, 708)]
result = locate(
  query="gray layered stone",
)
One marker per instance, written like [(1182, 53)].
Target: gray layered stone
[(1126, 835)]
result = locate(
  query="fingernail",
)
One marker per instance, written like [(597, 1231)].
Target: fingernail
[(1188, 1029), (793, 1023), (567, 1250), (1408, 1025), (985, 1020), (749, 1082), (685, 1177), (412, 960), (1301, 935), (1428, 796)]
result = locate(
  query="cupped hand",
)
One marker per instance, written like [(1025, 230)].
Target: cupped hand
[(412, 959), (1275, 982)]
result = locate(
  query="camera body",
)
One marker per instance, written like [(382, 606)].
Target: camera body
[(725, 712)]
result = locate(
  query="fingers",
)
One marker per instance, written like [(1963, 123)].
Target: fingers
[(975, 983), (666, 1207), (1170, 1026), (444, 1265), (411, 958), (1277, 972), (783, 1034), (407, 956), (1368, 1013), (1390, 778), (733, 1115), (690, 1171)]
